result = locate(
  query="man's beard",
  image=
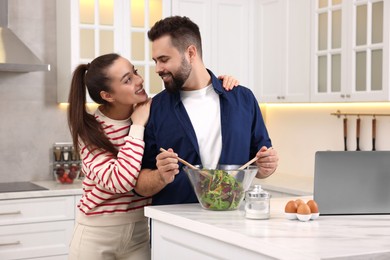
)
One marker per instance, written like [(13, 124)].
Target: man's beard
[(177, 80)]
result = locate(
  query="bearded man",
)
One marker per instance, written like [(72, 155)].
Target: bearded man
[(196, 118)]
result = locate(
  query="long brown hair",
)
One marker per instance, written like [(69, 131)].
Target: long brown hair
[(83, 125)]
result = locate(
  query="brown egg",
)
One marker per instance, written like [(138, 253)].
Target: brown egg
[(313, 206), (303, 209), (299, 201), (291, 207)]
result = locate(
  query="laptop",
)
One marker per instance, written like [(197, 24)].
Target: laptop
[(352, 182)]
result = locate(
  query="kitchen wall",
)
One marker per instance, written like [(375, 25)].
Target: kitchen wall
[(299, 130), (31, 120)]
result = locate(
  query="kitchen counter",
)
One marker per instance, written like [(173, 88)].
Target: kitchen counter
[(53, 189), (189, 232)]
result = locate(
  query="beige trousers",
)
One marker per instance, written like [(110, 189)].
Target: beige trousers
[(130, 242)]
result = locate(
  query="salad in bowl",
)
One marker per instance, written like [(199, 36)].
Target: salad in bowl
[(222, 188)]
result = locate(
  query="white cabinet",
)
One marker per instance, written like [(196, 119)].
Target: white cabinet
[(89, 28), (350, 59), (174, 242), (227, 38), (282, 51), (36, 227)]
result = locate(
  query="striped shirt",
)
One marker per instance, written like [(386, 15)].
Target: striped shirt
[(108, 195)]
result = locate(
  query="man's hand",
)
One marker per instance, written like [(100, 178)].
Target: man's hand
[(267, 162), (167, 165)]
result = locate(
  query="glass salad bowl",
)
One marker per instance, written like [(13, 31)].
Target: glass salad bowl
[(222, 188)]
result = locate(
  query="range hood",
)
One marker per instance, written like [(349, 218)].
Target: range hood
[(15, 56)]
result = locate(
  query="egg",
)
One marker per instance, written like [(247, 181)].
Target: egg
[(291, 207), (313, 206), (303, 209), (299, 201)]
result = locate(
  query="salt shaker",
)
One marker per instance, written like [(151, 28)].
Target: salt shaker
[(257, 203)]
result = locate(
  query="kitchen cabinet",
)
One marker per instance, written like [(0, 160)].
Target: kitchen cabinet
[(39, 227), (89, 28), (350, 51), (282, 51), (227, 39)]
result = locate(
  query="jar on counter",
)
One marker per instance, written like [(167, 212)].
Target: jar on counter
[(257, 203)]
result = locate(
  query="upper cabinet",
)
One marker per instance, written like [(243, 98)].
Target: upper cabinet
[(282, 51), (89, 28), (350, 60), (227, 39), (285, 51)]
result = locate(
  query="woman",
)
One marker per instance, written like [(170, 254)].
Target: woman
[(111, 222)]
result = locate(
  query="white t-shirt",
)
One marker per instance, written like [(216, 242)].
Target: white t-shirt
[(203, 108)]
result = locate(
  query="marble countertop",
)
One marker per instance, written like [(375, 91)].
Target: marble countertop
[(328, 237), (53, 189), (287, 183)]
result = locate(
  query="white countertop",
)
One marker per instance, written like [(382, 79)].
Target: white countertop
[(328, 237), (287, 183), (54, 189)]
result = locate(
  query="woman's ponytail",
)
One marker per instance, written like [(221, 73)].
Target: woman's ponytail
[(83, 125)]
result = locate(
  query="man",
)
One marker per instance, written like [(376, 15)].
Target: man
[(195, 118)]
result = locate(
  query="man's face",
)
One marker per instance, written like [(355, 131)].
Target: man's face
[(172, 66)]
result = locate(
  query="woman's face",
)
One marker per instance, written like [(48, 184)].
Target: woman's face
[(126, 84)]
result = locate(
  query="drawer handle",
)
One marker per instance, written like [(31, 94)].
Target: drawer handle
[(11, 213), (10, 243)]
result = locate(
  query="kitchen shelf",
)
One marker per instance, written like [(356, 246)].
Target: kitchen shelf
[(339, 113)]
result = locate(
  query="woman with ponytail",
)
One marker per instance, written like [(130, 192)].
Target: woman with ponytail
[(111, 222)]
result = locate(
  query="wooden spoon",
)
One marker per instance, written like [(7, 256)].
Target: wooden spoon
[(204, 173), (251, 161), (248, 163)]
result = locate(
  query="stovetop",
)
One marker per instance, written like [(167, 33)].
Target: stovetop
[(19, 186)]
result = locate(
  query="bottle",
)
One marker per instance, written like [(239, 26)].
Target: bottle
[(57, 153), (65, 153), (257, 203), (73, 153)]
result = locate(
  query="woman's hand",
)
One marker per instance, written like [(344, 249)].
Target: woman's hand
[(141, 113), (228, 82)]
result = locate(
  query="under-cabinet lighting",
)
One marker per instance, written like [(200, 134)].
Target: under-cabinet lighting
[(362, 105), (90, 106)]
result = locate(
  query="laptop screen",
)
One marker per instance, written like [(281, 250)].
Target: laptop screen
[(352, 182)]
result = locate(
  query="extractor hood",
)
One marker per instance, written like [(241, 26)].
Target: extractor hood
[(15, 56)]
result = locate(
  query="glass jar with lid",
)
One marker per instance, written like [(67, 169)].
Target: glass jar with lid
[(257, 203)]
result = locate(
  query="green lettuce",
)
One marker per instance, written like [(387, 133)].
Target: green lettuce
[(220, 192)]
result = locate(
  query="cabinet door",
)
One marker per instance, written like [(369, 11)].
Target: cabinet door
[(350, 58), (330, 40), (34, 210), (231, 39), (27, 241), (85, 30), (283, 51), (226, 39), (369, 75), (90, 28), (199, 11), (173, 242)]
